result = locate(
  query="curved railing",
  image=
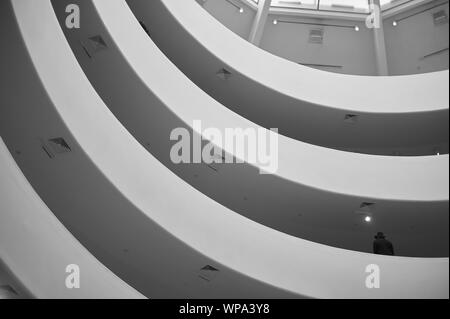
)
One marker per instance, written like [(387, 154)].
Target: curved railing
[(405, 115), (38, 250), (316, 193)]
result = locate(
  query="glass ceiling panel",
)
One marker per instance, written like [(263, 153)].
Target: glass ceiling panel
[(328, 5), (358, 6), (392, 3), (303, 4), (345, 5)]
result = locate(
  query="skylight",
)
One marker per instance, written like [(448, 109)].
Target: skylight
[(325, 5), (344, 5), (304, 4), (358, 6)]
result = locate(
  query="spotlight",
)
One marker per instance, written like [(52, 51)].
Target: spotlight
[(241, 10), (275, 21), (367, 219), (356, 28), (394, 23)]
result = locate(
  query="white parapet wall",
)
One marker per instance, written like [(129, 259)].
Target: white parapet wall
[(397, 114), (40, 255), (151, 97)]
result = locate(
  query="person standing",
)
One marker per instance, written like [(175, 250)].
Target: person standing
[(382, 246)]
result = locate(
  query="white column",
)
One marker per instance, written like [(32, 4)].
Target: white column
[(380, 44), (259, 22)]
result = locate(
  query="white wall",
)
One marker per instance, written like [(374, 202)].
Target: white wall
[(229, 15), (353, 51), (415, 37), (406, 44), (35, 248)]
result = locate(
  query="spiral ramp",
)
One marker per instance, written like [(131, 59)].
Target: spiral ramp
[(86, 115)]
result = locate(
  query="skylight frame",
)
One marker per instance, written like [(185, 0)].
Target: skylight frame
[(386, 5), (318, 5)]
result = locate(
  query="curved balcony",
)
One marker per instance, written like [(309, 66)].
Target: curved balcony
[(36, 249), (317, 194), (399, 115)]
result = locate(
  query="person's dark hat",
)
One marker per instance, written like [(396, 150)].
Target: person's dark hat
[(380, 235)]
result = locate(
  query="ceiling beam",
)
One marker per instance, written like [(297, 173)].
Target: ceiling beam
[(380, 43), (259, 22)]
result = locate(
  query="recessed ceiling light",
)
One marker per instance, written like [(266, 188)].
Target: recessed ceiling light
[(356, 28), (241, 10), (275, 21), (367, 219), (394, 23)]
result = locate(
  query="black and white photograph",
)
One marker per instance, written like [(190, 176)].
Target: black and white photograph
[(229, 158)]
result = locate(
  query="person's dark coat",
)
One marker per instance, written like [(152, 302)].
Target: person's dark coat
[(382, 246)]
